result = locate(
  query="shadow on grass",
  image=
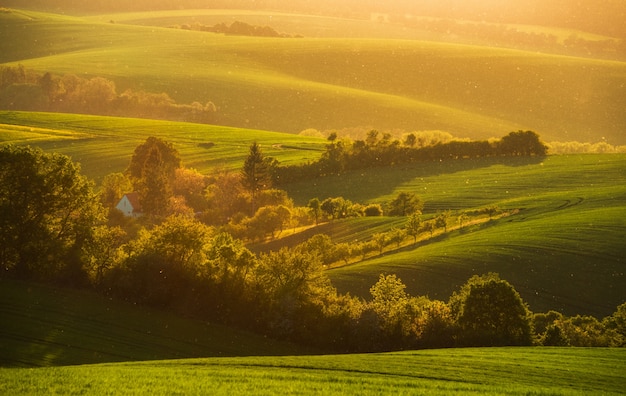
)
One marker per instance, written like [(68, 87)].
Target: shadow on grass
[(363, 185)]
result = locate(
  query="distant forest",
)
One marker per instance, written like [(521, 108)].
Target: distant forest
[(606, 17), (22, 89)]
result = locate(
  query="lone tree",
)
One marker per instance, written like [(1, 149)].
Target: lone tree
[(405, 204), (490, 312), (414, 225), (255, 173), (522, 143), (315, 206)]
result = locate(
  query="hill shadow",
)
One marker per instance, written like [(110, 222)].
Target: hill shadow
[(364, 185)]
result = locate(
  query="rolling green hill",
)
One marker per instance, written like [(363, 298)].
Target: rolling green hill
[(564, 250), (47, 326), (489, 371), (104, 145), (324, 83)]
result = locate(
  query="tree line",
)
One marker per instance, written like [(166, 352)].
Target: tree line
[(22, 89), (247, 205), (381, 149), (237, 28), (513, 36), (54, 227)]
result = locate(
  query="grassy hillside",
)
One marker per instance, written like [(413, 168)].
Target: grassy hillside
[(328, 83), (511, 371), (564, 250), (105, 144), (46, 326)]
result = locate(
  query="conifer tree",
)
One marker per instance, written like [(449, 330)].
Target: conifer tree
[(255, 173)]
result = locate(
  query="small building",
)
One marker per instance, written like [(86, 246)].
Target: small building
[(130, 205)]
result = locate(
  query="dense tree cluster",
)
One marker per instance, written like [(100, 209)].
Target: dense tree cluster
[(236, 28), (21, 89), (54, 229), (343, 154)]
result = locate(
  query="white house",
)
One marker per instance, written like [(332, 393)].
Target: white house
[(130, 205)]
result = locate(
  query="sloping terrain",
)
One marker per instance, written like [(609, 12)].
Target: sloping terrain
[(330, 83), (47, 326), (564, 250), (488, 371)]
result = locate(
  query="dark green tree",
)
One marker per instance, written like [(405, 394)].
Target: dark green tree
[(490, 312), (255, 175), (441, 221), (315, 206), (522, 143), (154, 187), (169, 157), (336, 208), (47, 214), (405, 204), (414, 225), (113, 188)]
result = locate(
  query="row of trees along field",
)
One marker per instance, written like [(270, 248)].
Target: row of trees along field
[(381, 149), (22, 89), (236, 28), (53, 228)]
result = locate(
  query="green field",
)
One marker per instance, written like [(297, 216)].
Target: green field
[(562, 247), (521, 371), (104, 145), (564, 250), (68, 331), (326, 82), (47, 326)]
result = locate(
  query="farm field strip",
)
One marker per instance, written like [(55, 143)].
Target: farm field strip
[(105, 144), (484, 371), (46, 326)]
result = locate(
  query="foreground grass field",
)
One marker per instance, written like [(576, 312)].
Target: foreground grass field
[(326, 82), (511, 371), (47, 326)]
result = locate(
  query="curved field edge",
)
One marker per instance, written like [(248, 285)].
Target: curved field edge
[(513, 371)]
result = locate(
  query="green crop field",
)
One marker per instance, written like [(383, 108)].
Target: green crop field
[(104, 145), (332, 82), (561, 244), (68, 331), (47, 326), (511, 371), (564, 250)]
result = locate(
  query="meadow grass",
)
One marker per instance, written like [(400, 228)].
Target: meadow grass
[(563, 250), (554, 371), (327, 83), (48, 326), (105, 145)]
